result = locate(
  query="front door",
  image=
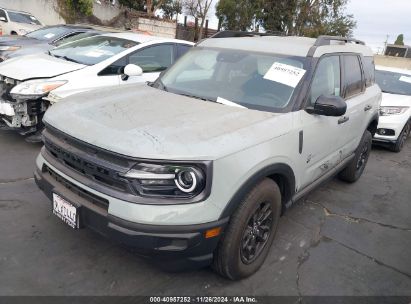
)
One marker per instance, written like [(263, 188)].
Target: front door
[(321, 135)]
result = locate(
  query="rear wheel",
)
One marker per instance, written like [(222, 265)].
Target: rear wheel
[(248, 238), (356, 166), (402, 138)]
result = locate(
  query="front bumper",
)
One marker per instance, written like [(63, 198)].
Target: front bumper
[(392, 122), (173, 247)]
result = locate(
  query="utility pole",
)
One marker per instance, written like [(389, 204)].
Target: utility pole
[(385, 43)]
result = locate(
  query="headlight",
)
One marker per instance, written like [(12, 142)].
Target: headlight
[(176, 181), (385, 111), (10, 48), (35, 88)]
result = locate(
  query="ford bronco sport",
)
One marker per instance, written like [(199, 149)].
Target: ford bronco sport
[(197, 167)]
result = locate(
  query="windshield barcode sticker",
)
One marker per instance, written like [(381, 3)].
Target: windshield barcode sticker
[(405, 79), (285, 74)]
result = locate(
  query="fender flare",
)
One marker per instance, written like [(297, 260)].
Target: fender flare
[(270, 170)]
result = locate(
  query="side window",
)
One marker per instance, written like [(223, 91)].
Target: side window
[(369, 70), (154, 58), (3, 14), (327, 79), (115, 68), (182, 49), (352, 76)]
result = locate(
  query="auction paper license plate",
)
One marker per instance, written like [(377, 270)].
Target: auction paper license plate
[(66, 211)]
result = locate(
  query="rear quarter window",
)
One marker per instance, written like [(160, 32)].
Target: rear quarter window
[(369, 70)]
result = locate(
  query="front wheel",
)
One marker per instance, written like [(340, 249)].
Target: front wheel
[(250, 233), (356, 166), (402, 138)]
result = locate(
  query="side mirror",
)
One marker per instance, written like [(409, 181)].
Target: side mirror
[(3, 19), (329, 106), (133, 70)]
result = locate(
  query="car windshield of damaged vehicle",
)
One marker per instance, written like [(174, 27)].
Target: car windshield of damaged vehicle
[(48, 33), (247, 79), (393, 83), (92, 50)]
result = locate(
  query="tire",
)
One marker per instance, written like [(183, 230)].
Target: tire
[(402, 138), (356, 166), (231, 258)]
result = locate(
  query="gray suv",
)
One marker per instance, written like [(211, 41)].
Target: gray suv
[(197, 167)]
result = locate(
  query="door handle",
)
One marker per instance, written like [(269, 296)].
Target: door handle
[(367, 108), (343, 120)]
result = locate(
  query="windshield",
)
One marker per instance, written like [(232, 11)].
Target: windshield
[(92, 50), (394, 83), (75, 37), (23, 18), (48, 33), (243, 78)]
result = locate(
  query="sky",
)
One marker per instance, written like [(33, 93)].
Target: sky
[(378, 18), (375, 20)]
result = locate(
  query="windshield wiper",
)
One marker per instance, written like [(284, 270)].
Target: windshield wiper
[(70, 59), (196, 97), (65, 58)]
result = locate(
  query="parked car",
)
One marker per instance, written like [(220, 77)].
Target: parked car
[(86, 64), (197, 167), (17, 23), (395, 111), (42, 40)]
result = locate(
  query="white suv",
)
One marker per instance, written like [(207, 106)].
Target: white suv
[(197, 167), (394, 126), (17, 23), (30, 84)]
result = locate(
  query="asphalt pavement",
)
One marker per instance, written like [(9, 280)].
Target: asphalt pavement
[(341, 240)]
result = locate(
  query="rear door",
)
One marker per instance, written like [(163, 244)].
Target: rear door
[(353, 91)]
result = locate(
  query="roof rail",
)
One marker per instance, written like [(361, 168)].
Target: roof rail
[(230, 34), (326, 40)]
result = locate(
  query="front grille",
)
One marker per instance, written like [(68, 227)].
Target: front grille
[(6, 85), (104, 170), (90, 169), (90, 197)]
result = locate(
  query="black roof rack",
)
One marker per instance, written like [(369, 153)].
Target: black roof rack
[(231, 34), (326, 40)]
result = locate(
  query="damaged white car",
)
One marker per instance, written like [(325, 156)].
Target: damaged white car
[(29, 85)]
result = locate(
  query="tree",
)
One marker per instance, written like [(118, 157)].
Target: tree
[(198, 9), (236, 14), (399, 40), (150, 6), (277, 15), (171, 8), (138, 5), (72, 10), (306, 17)]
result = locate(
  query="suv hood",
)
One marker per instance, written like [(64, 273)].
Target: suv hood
[(395, 100), (37, 66), (143, 122)]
